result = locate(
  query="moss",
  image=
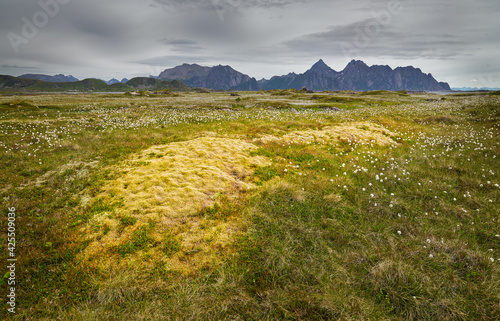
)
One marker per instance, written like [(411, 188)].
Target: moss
[(176, 182)]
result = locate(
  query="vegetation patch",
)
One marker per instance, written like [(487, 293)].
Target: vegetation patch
[(133, 208), (169, 185), (360, 133)]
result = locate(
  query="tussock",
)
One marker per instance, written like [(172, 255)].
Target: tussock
[(359, 132), (164, 188), (80, 169)]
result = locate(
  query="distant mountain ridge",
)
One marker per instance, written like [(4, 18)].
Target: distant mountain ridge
[(217, 78), (356, 76), (476, 89), (56, 78), (14, 84)]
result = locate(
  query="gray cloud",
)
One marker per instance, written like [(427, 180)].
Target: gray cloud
[(455, 40), (182, 45), (189, 5)]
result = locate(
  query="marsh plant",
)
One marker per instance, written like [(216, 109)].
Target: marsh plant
[(287, 205)]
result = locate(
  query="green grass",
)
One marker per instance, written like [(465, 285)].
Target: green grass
[(139, 241), (345, 231)]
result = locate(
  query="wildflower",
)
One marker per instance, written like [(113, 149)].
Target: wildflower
[(399, 232)]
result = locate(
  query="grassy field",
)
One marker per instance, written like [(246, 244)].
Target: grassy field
[(276, 205)]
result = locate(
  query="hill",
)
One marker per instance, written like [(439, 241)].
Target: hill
[(10, 83), (56, 78)]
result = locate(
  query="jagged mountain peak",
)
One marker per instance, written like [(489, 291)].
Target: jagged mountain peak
[(356, 64), (320, 64), (321, 67)]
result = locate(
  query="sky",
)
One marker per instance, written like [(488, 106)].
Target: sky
[(457, 41)]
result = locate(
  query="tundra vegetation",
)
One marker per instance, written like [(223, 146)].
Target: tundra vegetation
[(272, 205)]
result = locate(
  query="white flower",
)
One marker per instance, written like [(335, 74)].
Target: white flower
[(431, 256), (428, 241), (399, 232), (492, 259)]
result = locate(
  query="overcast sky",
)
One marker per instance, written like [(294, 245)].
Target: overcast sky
[(458, 41)]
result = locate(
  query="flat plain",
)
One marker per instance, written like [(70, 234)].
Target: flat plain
[(272, 205)]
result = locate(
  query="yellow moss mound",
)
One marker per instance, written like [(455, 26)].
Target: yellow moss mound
[(359, 132), (159, 195), (177, 179)]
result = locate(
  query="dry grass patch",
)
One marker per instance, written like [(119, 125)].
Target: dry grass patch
[(76, 170), (160, 196), (357, 132)]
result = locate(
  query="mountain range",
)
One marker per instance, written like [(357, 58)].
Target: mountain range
[(70, 78), (475, 89), (56, 78), (217, 78), (356, 76), (14, 84)]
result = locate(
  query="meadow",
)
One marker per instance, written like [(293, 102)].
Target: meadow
[(272, 205)]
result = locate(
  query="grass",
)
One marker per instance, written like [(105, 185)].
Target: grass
[(188, 207)]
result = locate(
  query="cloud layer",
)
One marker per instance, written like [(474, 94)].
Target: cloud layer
[(457, 41)]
